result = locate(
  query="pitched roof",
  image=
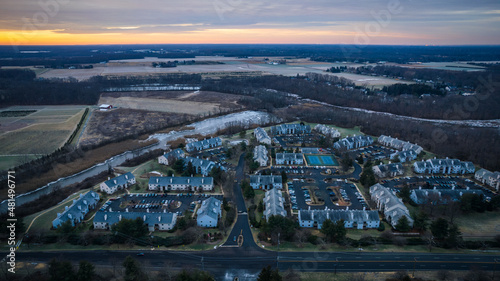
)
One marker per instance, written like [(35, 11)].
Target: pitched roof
[(273, 202), (119, 180), (265, 179), (79, 206), (210, 207), (212, 141)]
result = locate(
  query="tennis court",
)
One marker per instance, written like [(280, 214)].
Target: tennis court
[(321, 160)]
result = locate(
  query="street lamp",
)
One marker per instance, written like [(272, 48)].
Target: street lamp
[(414, 264)]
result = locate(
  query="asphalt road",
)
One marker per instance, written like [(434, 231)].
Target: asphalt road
[(233, 261)]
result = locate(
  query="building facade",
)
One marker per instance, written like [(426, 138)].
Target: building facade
[(266, 181), (121, 182), (78, 209), (192, 184), (209, 213)]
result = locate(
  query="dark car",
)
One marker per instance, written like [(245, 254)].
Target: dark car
[(140, 254)]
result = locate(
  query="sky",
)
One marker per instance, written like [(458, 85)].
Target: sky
[(367, 22)]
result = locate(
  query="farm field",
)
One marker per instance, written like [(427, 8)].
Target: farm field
[(228, 66), (370, 81), (121, 122), (189, 102), (27, 137)]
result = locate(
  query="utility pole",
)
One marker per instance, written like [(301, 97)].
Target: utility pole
[(202, 263), (278, 253), (414, 264), (335, 266)]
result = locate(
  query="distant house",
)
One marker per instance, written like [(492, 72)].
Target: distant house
[(353, 142), (262, 136), (441, 196), (399, 144), (389, 204), (181, 184), (359, 219), (443, 166), (78, 209), (491, 179), (170, 157), (273, 204), (117, 183), (202, 166), (404, 156), (290, 129), (155, 221), (266, 181), (327, 131), (260, 155), (105, 107), (209, 213), (289, 159), (203, 144), (388, 170)]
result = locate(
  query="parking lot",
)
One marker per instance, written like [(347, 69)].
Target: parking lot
[(300, 196), (153, 202), (217, 155), (296, 141), (373, 152)]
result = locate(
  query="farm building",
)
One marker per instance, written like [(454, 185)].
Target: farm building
[(203, 144), (78, 209), (209, 213), (155, 221), (266, 181), (117, 183), (105, 107), (170, 157), (181, 184), (359, 219)]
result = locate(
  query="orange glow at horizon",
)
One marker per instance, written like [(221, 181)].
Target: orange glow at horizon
[(208, 36)]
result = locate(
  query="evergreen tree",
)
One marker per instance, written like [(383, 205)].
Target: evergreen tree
[(403, 224), (133, 271)]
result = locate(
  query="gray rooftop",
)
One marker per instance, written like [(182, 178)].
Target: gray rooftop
[(119, 180), (210, 207)]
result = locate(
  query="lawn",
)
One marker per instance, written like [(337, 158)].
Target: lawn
[(43, 221), (7, 162), (479, 224)]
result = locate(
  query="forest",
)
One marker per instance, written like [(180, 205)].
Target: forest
[(54, 56)]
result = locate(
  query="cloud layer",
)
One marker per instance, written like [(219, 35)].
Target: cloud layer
[(238, 21)]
